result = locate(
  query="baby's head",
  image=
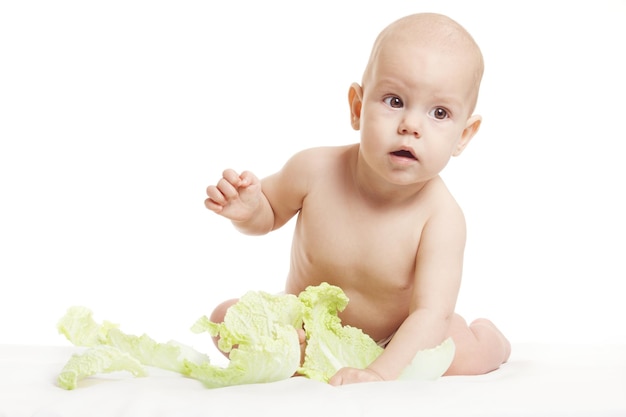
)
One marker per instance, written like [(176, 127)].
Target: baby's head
[(421, 82), (438, 35)]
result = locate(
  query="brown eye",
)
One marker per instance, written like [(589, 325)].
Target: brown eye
[(394, 102), (440, 113)]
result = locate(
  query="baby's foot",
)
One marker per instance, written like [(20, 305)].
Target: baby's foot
[(506, 345)]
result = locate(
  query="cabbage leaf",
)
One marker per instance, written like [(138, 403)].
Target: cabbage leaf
[(260, 336), (430, 364), (330, 345), (262, 327), (98, 359), (110, 349)]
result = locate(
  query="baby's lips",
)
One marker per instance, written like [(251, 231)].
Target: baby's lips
[(405, 153)]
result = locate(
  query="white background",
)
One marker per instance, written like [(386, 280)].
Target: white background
[(115, 116)]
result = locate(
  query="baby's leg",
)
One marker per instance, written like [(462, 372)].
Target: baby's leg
[(217, 316), (480, 347)]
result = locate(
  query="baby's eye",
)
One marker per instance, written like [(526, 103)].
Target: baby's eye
[(394, 102), (439, 113)]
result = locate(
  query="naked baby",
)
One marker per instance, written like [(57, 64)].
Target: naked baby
[(375, 218)]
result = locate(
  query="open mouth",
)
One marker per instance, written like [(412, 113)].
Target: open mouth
[(403, 153)]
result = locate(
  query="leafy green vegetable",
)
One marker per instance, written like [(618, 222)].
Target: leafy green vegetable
[(263, 328), (99, 359), (330, 345), (259, 333), (430, 364), (79, 327), (112, 350)]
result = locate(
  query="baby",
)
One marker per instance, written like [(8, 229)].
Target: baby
[(375, 218)]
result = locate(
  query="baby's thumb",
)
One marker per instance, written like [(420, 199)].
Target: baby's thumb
[(247, 179)]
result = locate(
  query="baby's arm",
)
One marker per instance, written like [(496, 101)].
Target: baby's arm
[(240, 199), (437, 280), (258, 207)]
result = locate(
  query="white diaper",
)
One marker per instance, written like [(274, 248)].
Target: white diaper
[(384, 342)]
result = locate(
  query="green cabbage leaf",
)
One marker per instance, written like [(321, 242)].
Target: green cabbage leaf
[(98, 359), (430, 364), (260, 336), (330, 345), (109, 349), (262, 327)]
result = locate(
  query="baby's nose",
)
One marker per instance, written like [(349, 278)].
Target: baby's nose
[(410, 125)]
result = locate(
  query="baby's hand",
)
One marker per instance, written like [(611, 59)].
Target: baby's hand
[(352, 375), (235, 196)]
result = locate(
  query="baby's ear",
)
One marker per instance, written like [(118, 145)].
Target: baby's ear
[(471, 127), (355, 99)]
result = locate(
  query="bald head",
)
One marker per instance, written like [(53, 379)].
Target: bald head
[(430, 30)]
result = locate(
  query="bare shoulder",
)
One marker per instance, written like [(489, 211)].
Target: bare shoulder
[(286, 189), (318, 159), (443, 207)]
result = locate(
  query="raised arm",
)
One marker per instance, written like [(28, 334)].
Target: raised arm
[(259, 206), (239, 197)]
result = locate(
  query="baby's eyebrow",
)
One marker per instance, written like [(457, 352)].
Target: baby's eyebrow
[(448, 100), (389, 84)]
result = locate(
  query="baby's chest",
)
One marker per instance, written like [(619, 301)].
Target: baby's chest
[(378, 246)]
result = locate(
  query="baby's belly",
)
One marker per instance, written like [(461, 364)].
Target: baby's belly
[(372, 307), (376, 318), (377, 278)]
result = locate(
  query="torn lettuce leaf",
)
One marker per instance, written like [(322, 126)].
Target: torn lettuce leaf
[(255, 317), (110, 349), (96, 360), (171, 356), (430, 364), (259, 334), (273, 360), (263, 327), (330, 345), (79, 327)]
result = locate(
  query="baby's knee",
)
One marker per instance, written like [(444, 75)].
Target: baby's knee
[(218, 314)]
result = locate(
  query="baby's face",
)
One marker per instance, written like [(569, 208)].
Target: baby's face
[(416, 103)]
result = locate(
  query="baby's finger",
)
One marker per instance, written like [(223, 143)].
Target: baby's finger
[(213, 206), (227, 189), (247, 179), (215, 195), (232, 177)]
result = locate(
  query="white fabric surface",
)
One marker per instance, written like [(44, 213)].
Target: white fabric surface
[(539, 380)]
